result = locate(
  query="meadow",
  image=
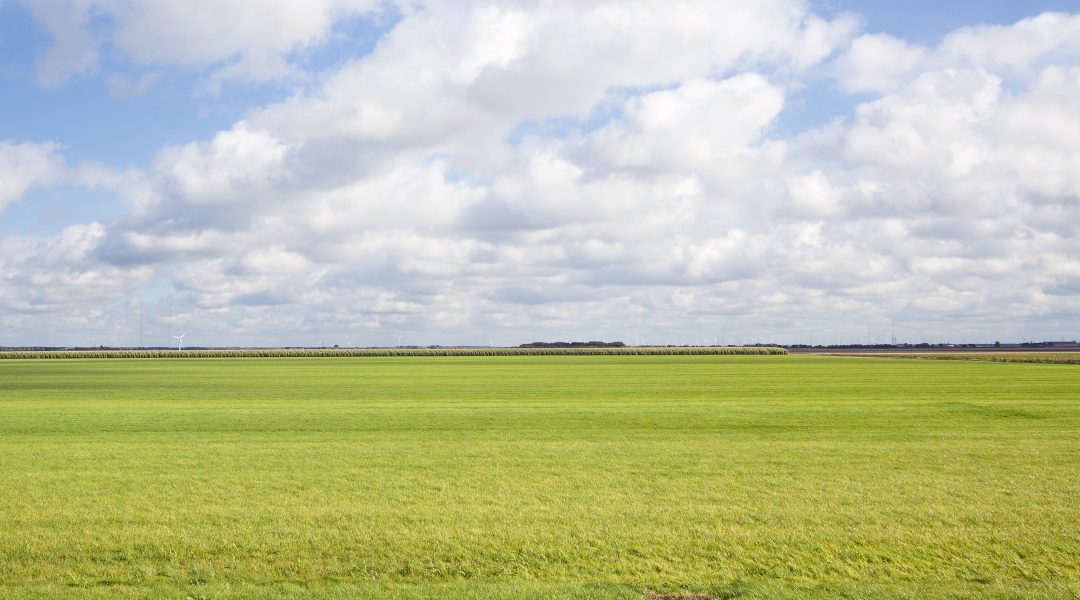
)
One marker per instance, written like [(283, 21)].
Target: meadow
[(542, 477), (1065, 358)]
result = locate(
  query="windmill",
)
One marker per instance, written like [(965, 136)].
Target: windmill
[(180, 341)]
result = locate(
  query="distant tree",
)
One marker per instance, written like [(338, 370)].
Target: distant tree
[(592, 344)]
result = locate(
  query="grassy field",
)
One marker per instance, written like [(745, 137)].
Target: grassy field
[(1066, 358), (584, 477)]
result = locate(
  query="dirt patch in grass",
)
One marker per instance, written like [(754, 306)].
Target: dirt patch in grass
[(677, 596)]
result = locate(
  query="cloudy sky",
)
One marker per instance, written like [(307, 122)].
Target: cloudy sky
[(364, 172)]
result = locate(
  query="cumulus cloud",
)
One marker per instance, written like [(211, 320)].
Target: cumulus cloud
[(73, 50), (878, 62), (979, 145), (703, 125), (59, 273), (941, 191), (493, 66), (247, 40), (611, 169), (23, 166)]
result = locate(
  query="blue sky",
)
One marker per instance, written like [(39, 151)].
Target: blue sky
[(926, 21), (352, 171), (173, 110)]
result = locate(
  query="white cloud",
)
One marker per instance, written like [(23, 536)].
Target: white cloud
[(556, 169), (906, 130), (60, 273), (204, 32), (977, 144), (812, 195), (232, 167), (23, 166), (702, 125), (1015, 48), (492, 67), (238, 39), (880, 63), (73, 50)]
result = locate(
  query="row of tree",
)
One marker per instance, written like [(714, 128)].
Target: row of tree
[(592, 344)]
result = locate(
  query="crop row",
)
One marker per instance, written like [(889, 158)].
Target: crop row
[(376, 352)]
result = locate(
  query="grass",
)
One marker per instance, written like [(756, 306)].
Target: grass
[(1065, 358), (577, 477)]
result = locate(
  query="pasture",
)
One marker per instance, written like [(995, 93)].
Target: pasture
[(1063, 358), (584, 477)]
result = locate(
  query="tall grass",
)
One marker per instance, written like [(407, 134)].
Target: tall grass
[(377, 352)]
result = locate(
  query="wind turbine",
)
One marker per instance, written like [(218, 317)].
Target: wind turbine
[(180, 341)]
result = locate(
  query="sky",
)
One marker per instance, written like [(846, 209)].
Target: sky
[(368, 172)]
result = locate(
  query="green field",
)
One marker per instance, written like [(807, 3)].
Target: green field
[(586, 477), (1070, 358)]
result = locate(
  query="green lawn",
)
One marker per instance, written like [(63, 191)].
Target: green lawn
[(539, 477)]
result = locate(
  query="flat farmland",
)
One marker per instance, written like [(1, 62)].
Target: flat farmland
[(1065, 358), (585, 477)]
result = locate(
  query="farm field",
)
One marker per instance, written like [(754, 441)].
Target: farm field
[(1068, 358), (584, 477)]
